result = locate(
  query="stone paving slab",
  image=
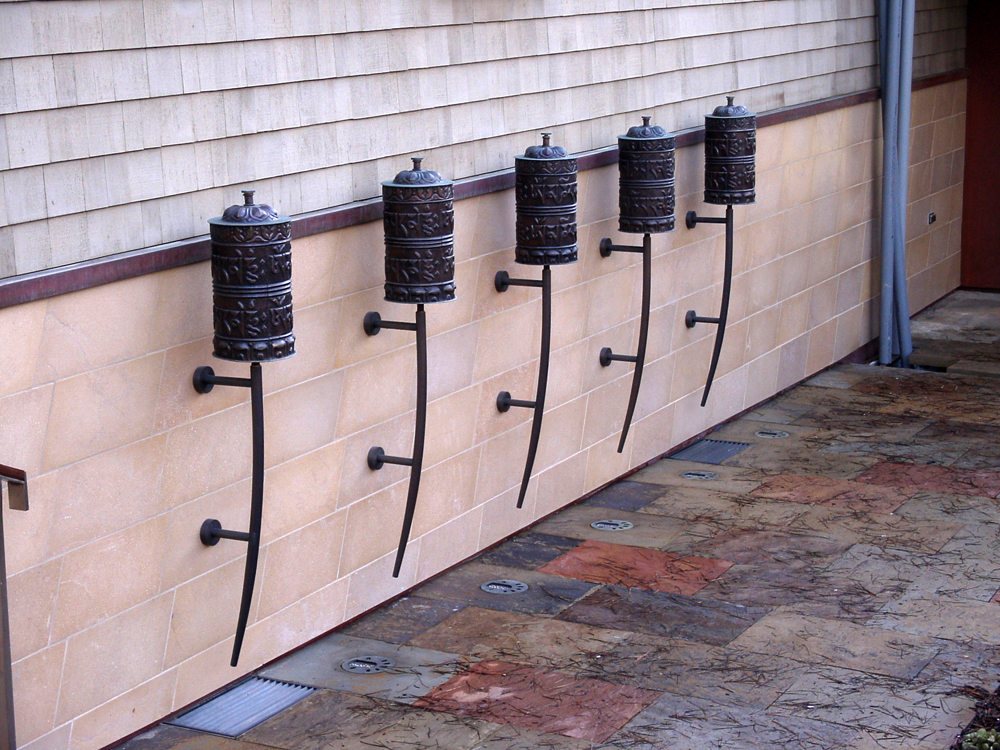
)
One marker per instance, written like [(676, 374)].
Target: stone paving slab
[(416, 671), (835, 643), (530, 550), (648, 530), (401, 620), (637, 567), (625, 495), (546, 594), (942, 618), (539, 699), (665, 615), (888, 710)]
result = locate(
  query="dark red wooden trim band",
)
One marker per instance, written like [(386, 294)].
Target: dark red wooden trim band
[(51, 282)]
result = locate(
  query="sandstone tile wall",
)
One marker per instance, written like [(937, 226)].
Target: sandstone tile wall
[(120, 615), (123, 122)]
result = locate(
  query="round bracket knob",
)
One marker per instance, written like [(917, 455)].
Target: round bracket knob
[(606, 356), (373, 323), (501, 281), (376, 457), (202, 379), (689, 318), (208, 532), (605, 247), (503, 401)]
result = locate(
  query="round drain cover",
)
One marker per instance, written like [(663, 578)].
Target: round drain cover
[(612, 525), (771, 434), (367, 664), (700, 474), (504, 586)]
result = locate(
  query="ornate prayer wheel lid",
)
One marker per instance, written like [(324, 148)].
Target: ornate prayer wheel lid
[(731, 110), (417, 177), (249, 213), (645, 131), (545, 151)]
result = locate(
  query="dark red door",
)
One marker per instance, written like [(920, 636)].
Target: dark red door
[(981, 203)]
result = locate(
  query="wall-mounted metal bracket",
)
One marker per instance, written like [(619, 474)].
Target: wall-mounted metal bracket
[(377, 457), (502, 282), (211, 531), (691, 318), (607, 356)]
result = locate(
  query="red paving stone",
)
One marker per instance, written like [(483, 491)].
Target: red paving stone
[(932, 478), (539, 699), (837, 493), (637, 567)]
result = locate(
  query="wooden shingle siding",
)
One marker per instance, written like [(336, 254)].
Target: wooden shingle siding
[(128, 124)]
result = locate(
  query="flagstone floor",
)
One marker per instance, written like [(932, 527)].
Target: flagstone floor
[(834, 585)]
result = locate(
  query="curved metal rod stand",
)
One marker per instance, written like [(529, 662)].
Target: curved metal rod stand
[(607, 356), (502, 282), (211, 531), (691, 318), (376, 456)]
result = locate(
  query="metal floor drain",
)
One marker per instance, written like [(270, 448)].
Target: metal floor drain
[(709, 451), (699, 474), (504, 586), (771, 434), (367, 664), (243, 707), (612, 524)]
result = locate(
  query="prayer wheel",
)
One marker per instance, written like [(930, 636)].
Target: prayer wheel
[(646, 179), (730, 148), (419, 223), (545, 194), (252, 283)]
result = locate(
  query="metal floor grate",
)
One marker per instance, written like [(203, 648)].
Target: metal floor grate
[(243, 707), (709, 451)]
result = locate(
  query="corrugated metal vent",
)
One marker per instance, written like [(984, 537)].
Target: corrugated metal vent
[(709, 451), (243, 707)]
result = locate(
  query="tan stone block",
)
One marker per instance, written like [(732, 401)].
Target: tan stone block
[(449, 543), (114, 656), (302, 418), (488, 301), (794, 317), (854, 205), (178, 402), (102, 409), (447, 490), (382, 510), (314, 268), (571, 363), (358, 258), (768, 195), (823, 260), (796, 231), (24, 416), (34, 682), (824, 216), (856, 165), (822, 302), (183, 306), (356, 479), (378, 389), (185, 557), (769, 146), (614, 299), (124, 482), (494, 223), (286, 579), (570, 314), (316, 332), (763, 287), (507, 340), (502, 464), (852, 332), (457, 312), (26, 534), (797, 140), (57, 739), (207, 454), (597, 194), (826, 175), (20, 335), (31, 596), (96, 584), (792, 362), (501, 517), (622, 339), (762, 375), (762, 332), (822, 340), (127, 713), (760, 242), (301, 491), (604, 463), (794, 275), (653, 435)]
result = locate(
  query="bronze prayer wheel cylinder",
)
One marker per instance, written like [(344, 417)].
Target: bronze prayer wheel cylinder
[(730, 149), (419, 223), (545, 194), (252, 283), (646, 179)]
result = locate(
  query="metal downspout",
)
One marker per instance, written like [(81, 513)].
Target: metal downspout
[(902, 296), (890, 114)]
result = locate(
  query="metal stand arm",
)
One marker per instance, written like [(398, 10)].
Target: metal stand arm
[(211, 530), (377, 457), (607, 356), (691, 318), (504, 401)]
